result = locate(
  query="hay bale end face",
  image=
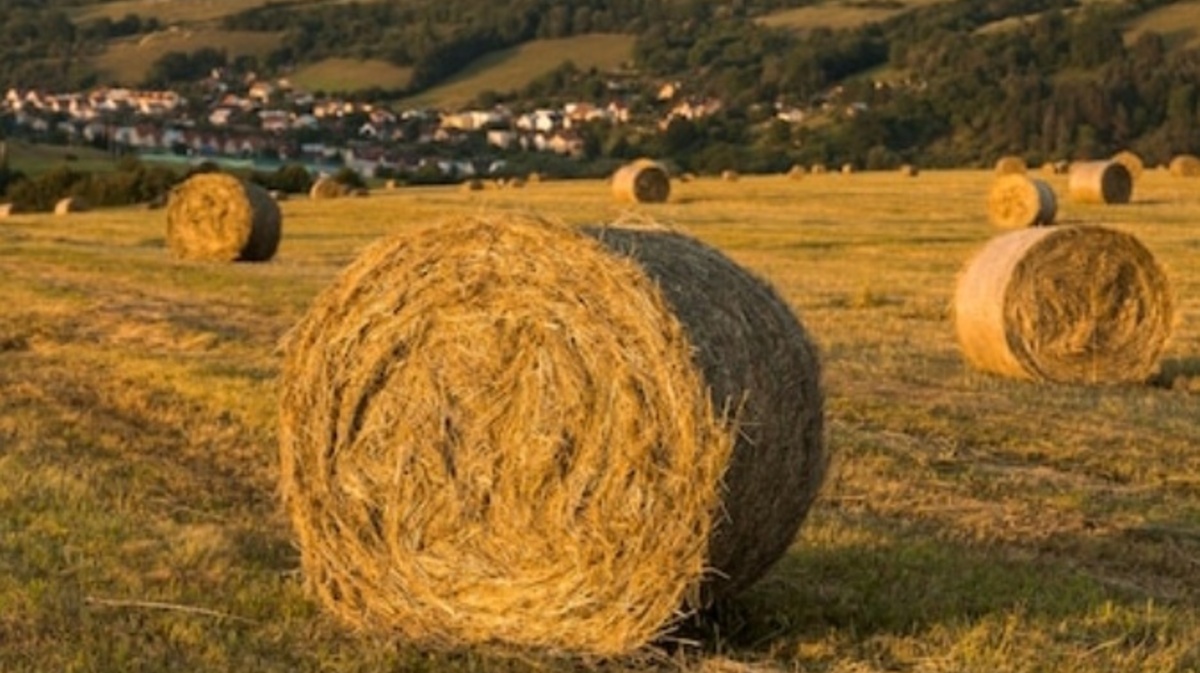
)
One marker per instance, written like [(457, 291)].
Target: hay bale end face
[(1016, 201), (1185, 166), (1077, 304), (629, 421), (643, 181), (1100, 182), (70, 204), (217, 217), (1010, 164)]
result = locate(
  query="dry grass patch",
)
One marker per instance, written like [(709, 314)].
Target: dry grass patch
[(129, 61), (344, 74), (838, 14)]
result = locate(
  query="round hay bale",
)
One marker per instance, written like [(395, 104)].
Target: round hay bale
[(1132, 163), (1068, 304), (516, 183), (1185, 166), (472, 185), (1099, 182), (7, 209), (327, 188), (909, 171), (730, 175), (502, 430), (1010, 164), (217, 217), (534, 178), (643, 181), (1016, 201), (797, 172), (70, 204), (818, 169), (390, 185), (847, 168), (687, 177)]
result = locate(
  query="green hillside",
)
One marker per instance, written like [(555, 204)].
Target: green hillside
[(343, 74), (512, 69), (128, 61), (840, 14)]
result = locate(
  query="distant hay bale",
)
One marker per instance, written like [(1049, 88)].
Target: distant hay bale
[(534, 178), (390, 185), (1132, 163), (730, 175), (818, 169), (217, 217), (642, 181), (70, 204), (797, 172), (909, 170), (1010, 164), (1099, 182), (561, 444), (687, 177), (516, 183), (1068, 304), (327, 188), (847, 168), (7, 209), (472, 185), (1017, 201), (1185, 166)]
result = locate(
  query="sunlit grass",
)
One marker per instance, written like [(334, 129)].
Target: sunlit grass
[(129, 61), (969, 523), (838, 14)]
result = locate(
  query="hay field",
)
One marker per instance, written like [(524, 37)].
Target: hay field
[(512, 69), (969, 523), (1178, 23), (344, 74), (128, 61), (837, 14), (166, 11)]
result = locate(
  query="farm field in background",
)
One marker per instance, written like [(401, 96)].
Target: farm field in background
[(968, 523), (837, 14), (343, 74), (130, 60)]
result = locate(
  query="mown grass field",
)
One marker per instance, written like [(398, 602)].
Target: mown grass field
[(838, 14), (968, 523), (128, 61), (344, 74), (512, 69), (1178, 23), (166, 11), (35, 159)]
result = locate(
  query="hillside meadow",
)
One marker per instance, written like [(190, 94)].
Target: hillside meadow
[(968, 523)]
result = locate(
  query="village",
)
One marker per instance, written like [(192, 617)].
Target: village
[(247, 122)]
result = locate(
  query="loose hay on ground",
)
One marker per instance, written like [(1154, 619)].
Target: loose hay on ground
[(501, 430), (642, 181), (217, 217), (1017, 201), (1077, 304), (1100, 182)]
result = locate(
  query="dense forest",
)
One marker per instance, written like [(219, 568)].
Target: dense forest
[(928, 85)]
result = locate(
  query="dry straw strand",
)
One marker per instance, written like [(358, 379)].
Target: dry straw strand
[(642, 181), (217, 217), (1068, 304), (1010, 164), (1016, 201), (500, 430), (1100, 182)]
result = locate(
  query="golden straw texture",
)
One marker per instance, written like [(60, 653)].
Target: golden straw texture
[(70, 204), (327, 188), (1016, 201), (1100, 182), (642, 181), (1132, 163), (217, 217), (501, 430), (1010, 164), (1185, 166), (1077, 304)]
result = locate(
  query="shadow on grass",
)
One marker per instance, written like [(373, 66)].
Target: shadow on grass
[(1177, 373)]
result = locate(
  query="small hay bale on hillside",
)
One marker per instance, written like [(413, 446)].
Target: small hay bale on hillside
[(390, 185), (819, 169), (1068, 304), (909, 170), (642, 181), (1010, 164), (1132, 163), (797, 172), (1185, 166), (217, 217), (847, 168), (7, 209), (1016, 201), (730, 175), (1100, 182), (560, 444), (327, 188), (70, 204)]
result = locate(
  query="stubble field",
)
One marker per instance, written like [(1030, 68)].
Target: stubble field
[(968, 523)]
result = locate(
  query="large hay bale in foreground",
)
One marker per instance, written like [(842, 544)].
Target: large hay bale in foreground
[(327, 188), (1099, 182), (1010, 164), (1132, 163), (1069, 304), (1185, 166), (1017, 201), (70, 204), (559, 444), (217, 217), (642, 181)]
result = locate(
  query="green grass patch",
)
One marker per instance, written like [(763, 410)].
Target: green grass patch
[(837, 14), (512, 69), (35, 159), (344, 74)]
